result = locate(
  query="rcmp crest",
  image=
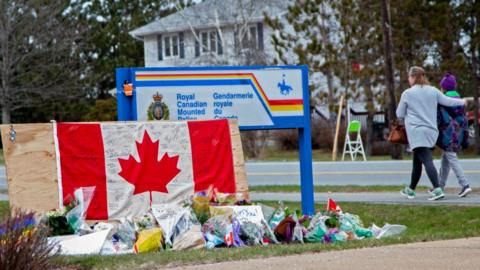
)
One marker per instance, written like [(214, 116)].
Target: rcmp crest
[(158, 110)]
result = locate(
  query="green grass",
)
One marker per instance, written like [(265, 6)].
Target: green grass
[(3, 209), (272, 154), (425, 223), (347, 188), (1, 157)]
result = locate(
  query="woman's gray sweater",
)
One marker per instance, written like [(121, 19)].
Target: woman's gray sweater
[(418, 107)]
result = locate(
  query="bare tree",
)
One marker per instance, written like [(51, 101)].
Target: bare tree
[(38, 61), (245, 51), (389, 79), (310, 33), (242, 51)]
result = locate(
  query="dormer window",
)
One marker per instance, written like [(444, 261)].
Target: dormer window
[(210, 41), (170, 46), (252, 37)]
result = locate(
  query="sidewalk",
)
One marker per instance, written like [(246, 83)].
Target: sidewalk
[(448, 254), (371, 197)]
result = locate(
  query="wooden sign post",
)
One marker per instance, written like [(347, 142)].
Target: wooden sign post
[(337, 129)]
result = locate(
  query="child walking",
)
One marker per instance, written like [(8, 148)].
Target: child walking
[(453, 136)]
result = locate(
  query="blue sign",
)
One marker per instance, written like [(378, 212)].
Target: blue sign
[(260, 97)]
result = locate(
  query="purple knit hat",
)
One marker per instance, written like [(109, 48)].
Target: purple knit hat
[(448, 82)]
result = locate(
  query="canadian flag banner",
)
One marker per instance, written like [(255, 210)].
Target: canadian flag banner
[(133, 165)]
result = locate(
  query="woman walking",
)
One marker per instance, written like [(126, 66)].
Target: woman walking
[(418, 108)]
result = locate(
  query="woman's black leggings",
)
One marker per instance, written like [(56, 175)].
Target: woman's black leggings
[(423, 155)]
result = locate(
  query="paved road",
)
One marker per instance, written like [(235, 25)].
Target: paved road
[(339, 173), (350, 173), (344, 173), (438, 255)]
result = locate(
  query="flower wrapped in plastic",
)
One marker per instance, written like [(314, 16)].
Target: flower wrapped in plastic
[(284, 231), (352, 223), (201, 205), (251, 233), (174, 220), (268, 234), (317, 229), (278, 215), (220, 227)]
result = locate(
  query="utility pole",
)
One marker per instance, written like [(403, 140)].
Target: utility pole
[(395, 149)]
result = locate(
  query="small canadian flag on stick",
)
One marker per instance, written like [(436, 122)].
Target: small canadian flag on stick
[(332, 206)]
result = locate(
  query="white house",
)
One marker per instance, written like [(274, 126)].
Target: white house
[(212, 32)]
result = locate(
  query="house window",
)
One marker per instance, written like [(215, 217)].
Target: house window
[(213, 41), (168, 50), (171, 46), (205, 47), (175, 45), (210, 42), (250, 38)]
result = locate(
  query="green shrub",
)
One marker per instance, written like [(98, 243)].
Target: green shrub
[(103, 110)]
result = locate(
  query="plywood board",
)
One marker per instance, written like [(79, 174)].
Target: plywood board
[(32, 172), (238, 159), (31, 167)]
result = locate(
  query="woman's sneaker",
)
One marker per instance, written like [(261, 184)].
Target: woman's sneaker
[(430, 190), (437, 194), (465, 190), (408, 192)]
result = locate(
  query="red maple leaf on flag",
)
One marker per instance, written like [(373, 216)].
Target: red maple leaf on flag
[(149, 174)]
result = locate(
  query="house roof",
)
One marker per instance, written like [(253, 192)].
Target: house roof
[(323, 111), (356, 108), (361, 107), (205, 14)]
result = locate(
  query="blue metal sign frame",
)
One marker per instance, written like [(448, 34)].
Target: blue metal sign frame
[(127, 111)]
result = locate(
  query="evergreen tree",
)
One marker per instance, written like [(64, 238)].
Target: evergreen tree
[(308, 36), (469, 12), (108, 42), (335, 39)]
